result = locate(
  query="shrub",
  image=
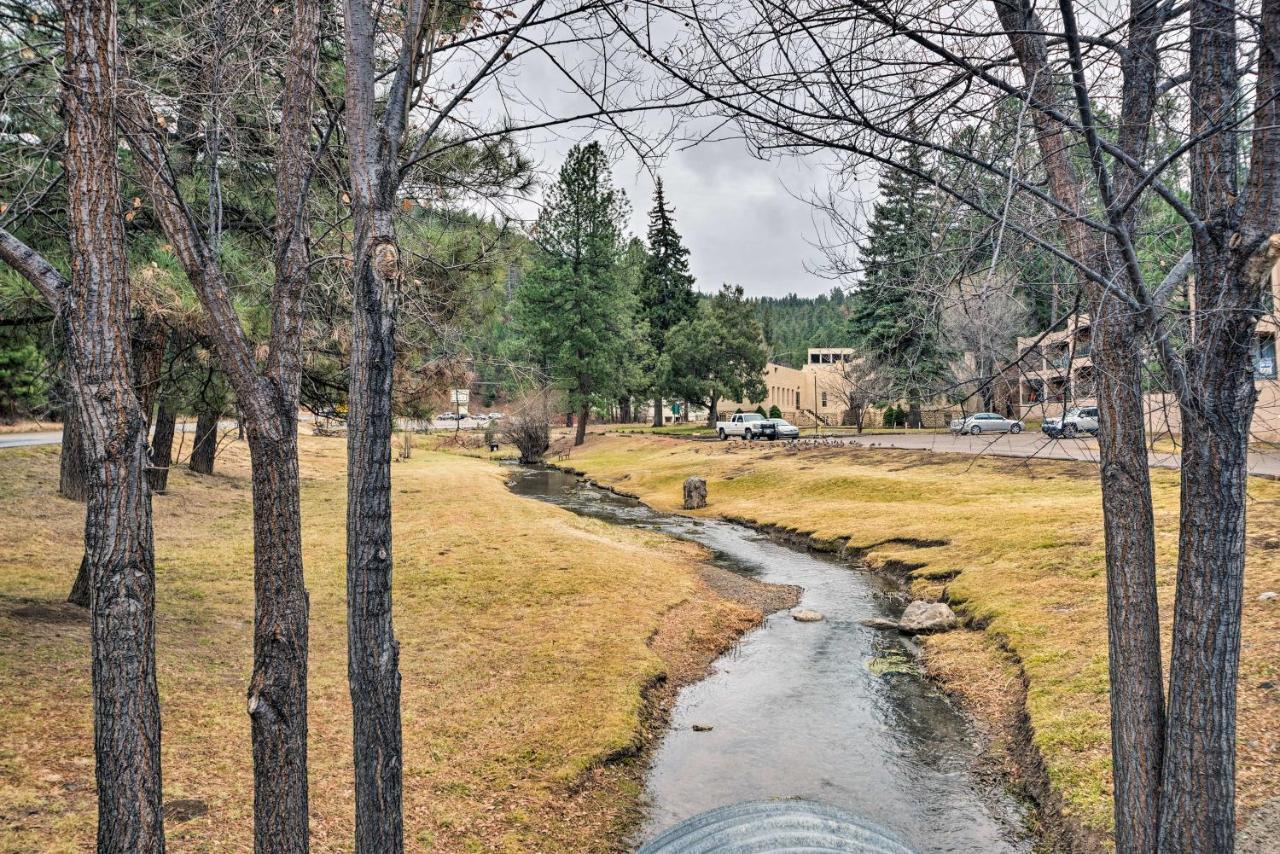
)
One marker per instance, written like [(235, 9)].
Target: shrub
[(529, 427), (894, 417), (760, 411), (775, 412)]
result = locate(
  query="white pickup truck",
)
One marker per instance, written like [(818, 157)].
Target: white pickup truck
[(739, 425)]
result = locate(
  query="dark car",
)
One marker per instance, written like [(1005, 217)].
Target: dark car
[(777, 428)]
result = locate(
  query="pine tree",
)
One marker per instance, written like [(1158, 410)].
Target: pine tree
[(666, 288), (573, 308), (891, 320), (718, 352)]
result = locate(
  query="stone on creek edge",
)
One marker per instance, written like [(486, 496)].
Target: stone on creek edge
[(695, 493), (921, 617), (805, 615), (880, 623)]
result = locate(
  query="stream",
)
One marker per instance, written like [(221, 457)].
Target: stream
[(830, 711)]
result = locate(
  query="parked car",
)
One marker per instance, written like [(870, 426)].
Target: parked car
[(778, 428), (985, 422), (744, 424), (1079, 419)]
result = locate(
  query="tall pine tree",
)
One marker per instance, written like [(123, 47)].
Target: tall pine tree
[(891, 319), (574, 309), (666, 289)]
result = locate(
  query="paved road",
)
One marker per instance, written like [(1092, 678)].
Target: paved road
[(54, 437), (20, 440), (1035, 445)]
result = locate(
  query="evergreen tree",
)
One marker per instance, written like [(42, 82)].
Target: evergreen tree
[(891, 320), (717, 353), (23, 376), (574, 309), (666, 288)]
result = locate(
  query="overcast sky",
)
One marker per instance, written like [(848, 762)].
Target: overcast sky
[(745, 221)]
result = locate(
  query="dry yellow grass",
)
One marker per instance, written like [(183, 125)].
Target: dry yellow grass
[(1017, 544), (525, 653)]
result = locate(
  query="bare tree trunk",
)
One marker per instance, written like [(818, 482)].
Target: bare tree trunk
[(657, 412), (82, 588), (580, 435), (373, 653), (73, 468), (119, 552), (278, 688), (1136, 683), (148, 340), (205, 447), (1133, 620), (1234, 254), (162, 446), (372, 649)]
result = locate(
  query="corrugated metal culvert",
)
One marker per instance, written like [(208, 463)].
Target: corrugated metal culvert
[(775, 826)]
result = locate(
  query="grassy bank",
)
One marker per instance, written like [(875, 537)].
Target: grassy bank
[(528, 638), (1017, 546)]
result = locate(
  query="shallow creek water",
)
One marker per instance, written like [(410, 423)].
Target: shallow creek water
[(831, 711)]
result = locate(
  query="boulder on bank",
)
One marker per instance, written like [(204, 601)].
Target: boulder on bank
[(695, 493), (922, 617), (806, 615)]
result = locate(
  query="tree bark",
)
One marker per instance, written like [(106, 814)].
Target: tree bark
[(82, 588), (162, 447), (118, 538), (657, 412), (580, 435), (73, 468), (277, 693), (1136, 684), (1133, 620), (148, 340), (268, 401), (205, 447), (373, 653)]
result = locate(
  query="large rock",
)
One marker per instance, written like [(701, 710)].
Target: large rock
[(923, 617), (695, 493), (806, 615)]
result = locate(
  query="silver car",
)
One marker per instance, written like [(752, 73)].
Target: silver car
[(1081, 419), (985, 422)]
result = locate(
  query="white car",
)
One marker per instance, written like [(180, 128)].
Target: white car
[(744, 424), (985, 422), (1081, 419)]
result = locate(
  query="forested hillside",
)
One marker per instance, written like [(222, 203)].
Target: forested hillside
[(792, 324)]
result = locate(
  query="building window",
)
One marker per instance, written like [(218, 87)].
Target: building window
[(1264, 359), (824, 400), (814, 358)]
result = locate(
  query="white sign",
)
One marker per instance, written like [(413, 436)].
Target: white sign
[(461, 397)]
